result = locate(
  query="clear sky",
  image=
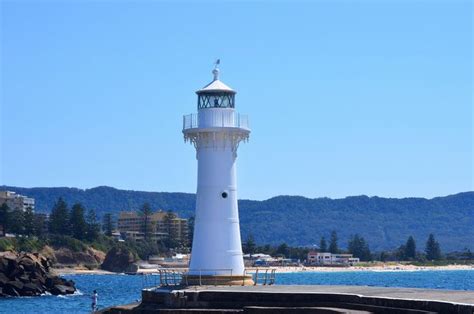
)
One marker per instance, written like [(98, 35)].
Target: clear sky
[(345, 98)]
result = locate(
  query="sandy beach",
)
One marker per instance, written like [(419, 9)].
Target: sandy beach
[(289, 269), (375, 268)]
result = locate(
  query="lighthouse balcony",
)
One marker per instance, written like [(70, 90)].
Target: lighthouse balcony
[(210, 119)]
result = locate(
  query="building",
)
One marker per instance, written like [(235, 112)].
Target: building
[(160, 226), (16, 201), (216, 131), (320, 258)]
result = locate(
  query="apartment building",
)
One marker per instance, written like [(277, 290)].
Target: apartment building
[(16, 201), (160, 227), (321, 258)]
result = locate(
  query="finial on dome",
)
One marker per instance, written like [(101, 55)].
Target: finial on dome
[(216, 69)]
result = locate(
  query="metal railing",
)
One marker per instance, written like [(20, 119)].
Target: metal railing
[(267, 276), (190, 121), (170, 277), (223, 119), (173, 277)]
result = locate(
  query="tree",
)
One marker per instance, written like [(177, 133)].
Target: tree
[(59, 218), (29, 221), (17, 222), (283, 249), (172, 240), (249, 245), (78, 222), (410, 248), (359, 248), (40, 224), (93, 227), (400, 252), (432, 250), (323, 246), (4, 218), (146, 212), (333, 247), (108, 224)]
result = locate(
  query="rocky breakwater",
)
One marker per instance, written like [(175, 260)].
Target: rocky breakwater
[(30, 274)]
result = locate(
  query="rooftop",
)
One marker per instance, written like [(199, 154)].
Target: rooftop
[(216, 85)]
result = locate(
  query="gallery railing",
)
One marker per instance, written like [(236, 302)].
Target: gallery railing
[(216, 119)]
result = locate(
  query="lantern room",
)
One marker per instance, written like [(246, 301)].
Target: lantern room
[(216, 94)]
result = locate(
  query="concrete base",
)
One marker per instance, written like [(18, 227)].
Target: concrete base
[(217, 280), (299, 300)]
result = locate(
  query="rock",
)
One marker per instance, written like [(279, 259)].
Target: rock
[(132, 268), (67, 257), (12, 265), (69, 283), (27, 264), (16, 272), (3, 279), (28, 274), (18, 285), (47, 254), (24, 278), (118, 259), (52, 280), (8, 255), (34, 289), (3, 265), (99, 256), (61, 289), (10, 291)]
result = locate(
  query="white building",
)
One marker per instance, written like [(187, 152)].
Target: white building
[(216, 131), (16, 201), (319, 258)]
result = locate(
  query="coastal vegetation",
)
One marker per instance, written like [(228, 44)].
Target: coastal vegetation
[(74, 234), (359, 247), (385, 223)]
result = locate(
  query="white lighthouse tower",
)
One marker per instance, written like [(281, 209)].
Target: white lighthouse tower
[(216, 131)]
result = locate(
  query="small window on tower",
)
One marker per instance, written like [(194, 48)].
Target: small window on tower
[(224, 194)]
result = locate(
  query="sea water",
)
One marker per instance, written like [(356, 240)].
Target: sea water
[(122, 289)]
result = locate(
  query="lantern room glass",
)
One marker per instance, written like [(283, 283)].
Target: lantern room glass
[(216, 100)]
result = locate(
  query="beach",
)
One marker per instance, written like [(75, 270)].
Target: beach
[(375, 268), (289, 269)]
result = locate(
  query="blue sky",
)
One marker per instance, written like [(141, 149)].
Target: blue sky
[(345, 98)]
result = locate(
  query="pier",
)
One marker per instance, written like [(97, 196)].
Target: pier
[(298, 299)]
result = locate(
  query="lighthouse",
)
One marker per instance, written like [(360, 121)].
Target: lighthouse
[(216, 132)]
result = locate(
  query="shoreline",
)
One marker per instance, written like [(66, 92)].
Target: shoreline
[(375, 268), (286, 269)]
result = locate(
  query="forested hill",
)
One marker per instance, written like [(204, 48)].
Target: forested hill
[(385, 223)]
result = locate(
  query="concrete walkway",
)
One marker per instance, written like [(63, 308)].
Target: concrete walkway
[(450, 296)]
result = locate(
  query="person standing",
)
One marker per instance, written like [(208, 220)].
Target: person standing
[(94, 301)]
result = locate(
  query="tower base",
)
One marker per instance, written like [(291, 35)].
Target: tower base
[(217, 280)]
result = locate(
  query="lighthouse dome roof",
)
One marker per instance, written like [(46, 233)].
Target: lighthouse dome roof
[(216, 85)]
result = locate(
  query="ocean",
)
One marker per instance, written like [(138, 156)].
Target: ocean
[(122, 289)]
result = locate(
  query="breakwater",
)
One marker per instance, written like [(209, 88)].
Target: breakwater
[(29, 274), (115, 289), (298, 299)]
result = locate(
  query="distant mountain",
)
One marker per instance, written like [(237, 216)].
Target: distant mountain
[(385, 223)]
